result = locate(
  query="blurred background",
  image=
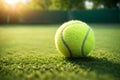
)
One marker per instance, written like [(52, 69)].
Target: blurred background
[(27, 47), (59, 11)]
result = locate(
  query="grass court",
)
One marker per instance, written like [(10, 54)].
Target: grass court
[(28, 52)]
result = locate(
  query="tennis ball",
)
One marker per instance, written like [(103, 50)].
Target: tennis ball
[(74, 39)]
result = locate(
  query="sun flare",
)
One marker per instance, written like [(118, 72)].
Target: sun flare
[(14, 2)]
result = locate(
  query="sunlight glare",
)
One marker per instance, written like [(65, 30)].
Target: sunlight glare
[(89, 4), (24, 1), (12, 2)]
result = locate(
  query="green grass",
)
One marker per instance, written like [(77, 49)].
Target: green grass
[(28, 52)]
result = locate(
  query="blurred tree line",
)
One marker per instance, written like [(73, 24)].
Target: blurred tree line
[(67, 4), (73, 4), (11, 12)]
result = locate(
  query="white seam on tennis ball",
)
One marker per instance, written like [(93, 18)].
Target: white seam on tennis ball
[(84, 40), (66, 45)]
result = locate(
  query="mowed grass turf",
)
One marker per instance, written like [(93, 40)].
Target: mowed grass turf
[(28, 52)]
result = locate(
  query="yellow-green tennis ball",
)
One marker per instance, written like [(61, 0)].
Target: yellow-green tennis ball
[(74, 39)]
